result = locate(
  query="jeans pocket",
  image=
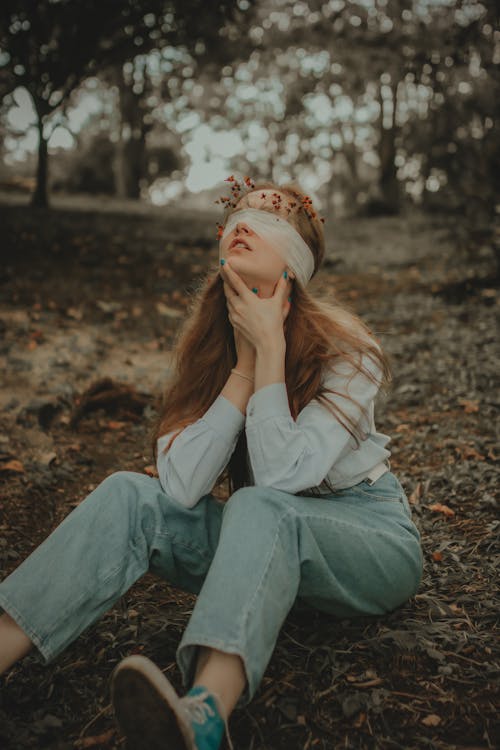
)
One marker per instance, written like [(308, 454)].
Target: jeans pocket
[(387, 488)]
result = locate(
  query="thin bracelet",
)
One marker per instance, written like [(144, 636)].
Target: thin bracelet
[(242, 376)]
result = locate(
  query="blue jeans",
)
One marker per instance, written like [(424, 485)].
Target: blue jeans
[(353, 552)]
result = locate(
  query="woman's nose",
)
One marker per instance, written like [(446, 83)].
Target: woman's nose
[(240, 226)]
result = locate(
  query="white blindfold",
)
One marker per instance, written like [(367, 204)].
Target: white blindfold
[(278, 233)]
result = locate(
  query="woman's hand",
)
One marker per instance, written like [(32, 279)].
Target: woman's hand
[(260, 321)]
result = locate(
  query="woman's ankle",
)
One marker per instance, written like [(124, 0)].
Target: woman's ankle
[(222, 674), (14, 643)]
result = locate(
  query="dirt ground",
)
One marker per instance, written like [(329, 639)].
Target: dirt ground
[(89, 291)]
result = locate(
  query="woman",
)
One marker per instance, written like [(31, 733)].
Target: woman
[(273, 391)]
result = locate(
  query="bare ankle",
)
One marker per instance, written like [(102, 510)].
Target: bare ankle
[(14, 643), (222, 674)]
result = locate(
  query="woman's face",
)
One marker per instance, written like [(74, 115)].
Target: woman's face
[(259, 266)]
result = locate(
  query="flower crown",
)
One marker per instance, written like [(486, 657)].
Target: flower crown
[(237, 190)]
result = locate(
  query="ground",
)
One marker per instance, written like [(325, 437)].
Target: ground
[(91, 291)]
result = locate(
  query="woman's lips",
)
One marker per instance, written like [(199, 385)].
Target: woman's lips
[(235, 248), (239, 244)]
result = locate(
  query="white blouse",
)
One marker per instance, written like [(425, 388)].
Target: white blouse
[(287, 454)]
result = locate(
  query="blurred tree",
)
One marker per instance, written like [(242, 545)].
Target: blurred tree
[(87, 168), (90, 165), (50, 47), (457, 139), (433, 66)]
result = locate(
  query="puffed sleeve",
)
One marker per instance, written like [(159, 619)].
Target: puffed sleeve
[(294, 455), (199, 453)]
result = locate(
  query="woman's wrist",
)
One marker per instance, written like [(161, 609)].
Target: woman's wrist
[(270, 363), (240, 374), (272, 346), (246, 366)]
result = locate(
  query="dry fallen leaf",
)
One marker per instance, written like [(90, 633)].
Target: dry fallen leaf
[(415, 496), (99, 739), (440, 508), (432, 720), (150, 470), (116, 425), (469, 405), (13, 465), (360, 720), (437, 556), (468, 451)]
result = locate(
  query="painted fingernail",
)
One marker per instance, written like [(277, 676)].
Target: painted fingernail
[(289, 299), (285, 274), (222, 261), (255, 290)]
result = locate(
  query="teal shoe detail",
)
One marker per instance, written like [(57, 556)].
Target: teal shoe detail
[(153, 717), (206, 721)]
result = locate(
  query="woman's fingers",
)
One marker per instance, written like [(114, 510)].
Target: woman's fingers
[(235, 281), (283, 286), (229, 291)]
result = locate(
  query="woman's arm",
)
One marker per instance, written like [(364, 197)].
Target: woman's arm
[(237, 389), (202, 450), (294, 455), (261, 322)]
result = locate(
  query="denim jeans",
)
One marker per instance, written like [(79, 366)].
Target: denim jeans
[(353, 552)]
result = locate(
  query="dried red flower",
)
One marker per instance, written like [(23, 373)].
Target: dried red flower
[(237, 189)]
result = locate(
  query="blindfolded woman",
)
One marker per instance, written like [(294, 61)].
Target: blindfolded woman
[(272, 395)]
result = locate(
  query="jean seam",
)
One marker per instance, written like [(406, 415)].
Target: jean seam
[(379, 532), (238, 645), (288, 512), (374, 495), (212, 642), (175, 540), (75, 603)]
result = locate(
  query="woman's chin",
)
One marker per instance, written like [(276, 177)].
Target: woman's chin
[(241, 265)]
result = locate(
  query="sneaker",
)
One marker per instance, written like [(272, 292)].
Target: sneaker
[(153, 717)]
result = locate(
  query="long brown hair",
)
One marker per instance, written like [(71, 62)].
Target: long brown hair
[(318, 332)]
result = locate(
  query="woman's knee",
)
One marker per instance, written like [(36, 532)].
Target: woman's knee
[(259, 507), (124, 483), (123, 491), (125, 502)]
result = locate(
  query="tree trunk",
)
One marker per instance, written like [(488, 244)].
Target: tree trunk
[(328, 194), (351, 181), (130, 154), (388, 183), (40, 196)]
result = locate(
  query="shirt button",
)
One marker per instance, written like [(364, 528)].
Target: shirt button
[(250, 411)]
